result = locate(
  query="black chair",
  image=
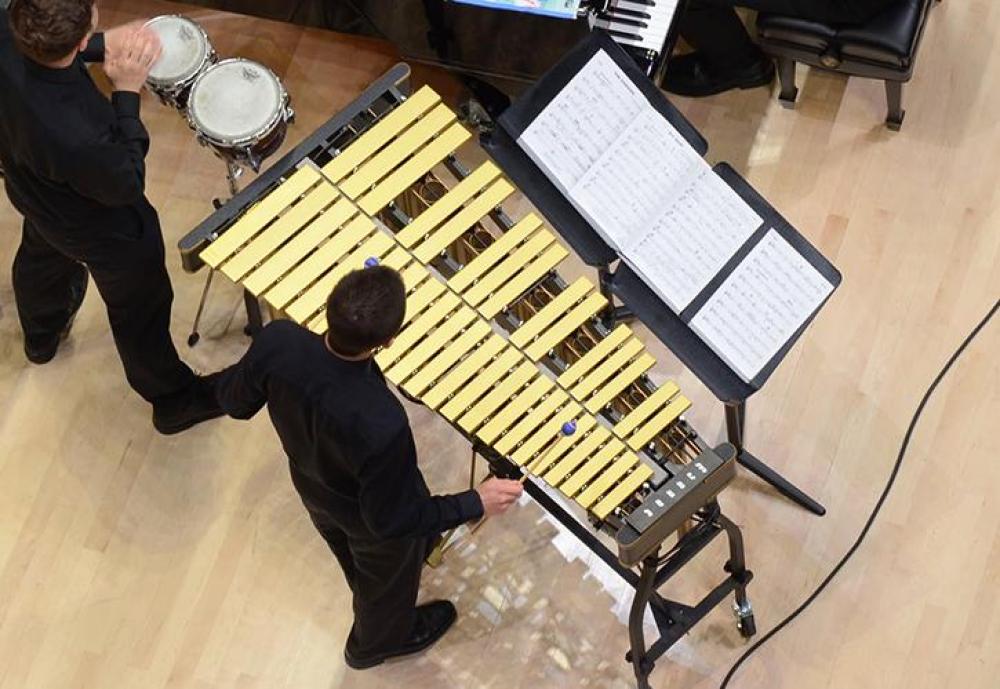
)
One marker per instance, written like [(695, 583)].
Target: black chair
[(884, 48)]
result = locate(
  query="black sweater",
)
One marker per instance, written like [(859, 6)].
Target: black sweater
[(348, 441), (71, 158)]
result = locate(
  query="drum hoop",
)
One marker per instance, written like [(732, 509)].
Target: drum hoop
[(210, 54), (257, 135)]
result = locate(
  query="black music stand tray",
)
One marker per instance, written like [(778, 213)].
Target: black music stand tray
[(622, 283)]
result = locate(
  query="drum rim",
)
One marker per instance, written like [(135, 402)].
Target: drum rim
[(180, 82), (258, 135)]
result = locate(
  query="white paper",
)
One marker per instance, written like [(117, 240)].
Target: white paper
[(579, 124), (638, 182), (680, 252), (636, 179), (760, 305)]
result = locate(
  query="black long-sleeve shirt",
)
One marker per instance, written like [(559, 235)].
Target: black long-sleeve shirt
[(71, 158), (347, 437)]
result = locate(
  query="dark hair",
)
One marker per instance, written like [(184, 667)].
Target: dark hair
[(365, 310), (49, 30)]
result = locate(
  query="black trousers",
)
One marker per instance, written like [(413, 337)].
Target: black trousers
[(384, 577), (126, 260), (714, 30)]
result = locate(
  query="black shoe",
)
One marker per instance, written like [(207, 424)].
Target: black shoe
[(433, 620), (41, 350), (195, 406), (689, 75)]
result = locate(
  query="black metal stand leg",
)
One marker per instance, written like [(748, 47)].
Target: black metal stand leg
[(786, 75), (195, 335), (643, 591), (735, 424), (255, 319), (613, 315), (894, 98), (736, 566)]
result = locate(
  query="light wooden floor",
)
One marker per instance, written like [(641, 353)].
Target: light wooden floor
[(134, 561)]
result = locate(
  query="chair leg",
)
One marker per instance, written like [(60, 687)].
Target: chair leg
[(894, 96), (786, 74)]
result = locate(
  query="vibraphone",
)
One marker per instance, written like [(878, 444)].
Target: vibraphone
[(494, 339)]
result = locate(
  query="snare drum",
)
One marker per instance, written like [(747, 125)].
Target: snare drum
[(240, 108), (187, 52)]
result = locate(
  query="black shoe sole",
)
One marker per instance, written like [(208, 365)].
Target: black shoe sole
[(375, 660), (165, 429), (39, 357)]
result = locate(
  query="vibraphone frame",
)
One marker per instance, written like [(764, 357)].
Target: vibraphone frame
[(673, 618)]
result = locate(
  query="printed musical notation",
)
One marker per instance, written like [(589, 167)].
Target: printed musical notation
[(642, 187), (573, 132), (675, 222), (758, 308)]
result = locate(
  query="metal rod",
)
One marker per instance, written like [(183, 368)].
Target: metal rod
[(195, 335)]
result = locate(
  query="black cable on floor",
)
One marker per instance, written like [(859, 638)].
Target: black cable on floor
[(878, 505)]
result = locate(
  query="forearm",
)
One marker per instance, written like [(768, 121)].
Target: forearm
[(238, 391), (425, 516)]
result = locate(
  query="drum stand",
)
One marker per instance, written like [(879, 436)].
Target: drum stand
[(255, 320)]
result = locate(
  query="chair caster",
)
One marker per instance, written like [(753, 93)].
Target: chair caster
[(218, 203), (193, 339), (744, 619)]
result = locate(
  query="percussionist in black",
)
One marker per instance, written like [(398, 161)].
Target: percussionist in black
[(74, 167), (353, 460)]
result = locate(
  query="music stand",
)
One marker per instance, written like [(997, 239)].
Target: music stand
[(577, 232), (623, 283), (728, 388)]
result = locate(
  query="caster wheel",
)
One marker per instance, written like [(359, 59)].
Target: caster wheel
[(744, 619), (193, 339), (217, 203)]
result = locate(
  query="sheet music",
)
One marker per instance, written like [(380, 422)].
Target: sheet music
[(636, 179), (580, 123), (638, 182), (760, 305), (680, 252)]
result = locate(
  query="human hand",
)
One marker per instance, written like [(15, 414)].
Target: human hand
[(498, 495), (115, 37), (128, 66)]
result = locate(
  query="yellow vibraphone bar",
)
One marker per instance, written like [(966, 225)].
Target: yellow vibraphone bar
[(298, 241)]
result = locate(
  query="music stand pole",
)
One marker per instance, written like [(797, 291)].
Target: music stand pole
[(735, 430)]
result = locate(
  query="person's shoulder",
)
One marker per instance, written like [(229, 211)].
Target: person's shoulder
[(283, 325), (282, 330), (279, 340)]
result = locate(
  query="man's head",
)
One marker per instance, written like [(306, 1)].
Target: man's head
[(365, 310), (49, 31)]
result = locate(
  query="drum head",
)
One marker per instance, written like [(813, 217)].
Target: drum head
[(185, 50), (235, 100)]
